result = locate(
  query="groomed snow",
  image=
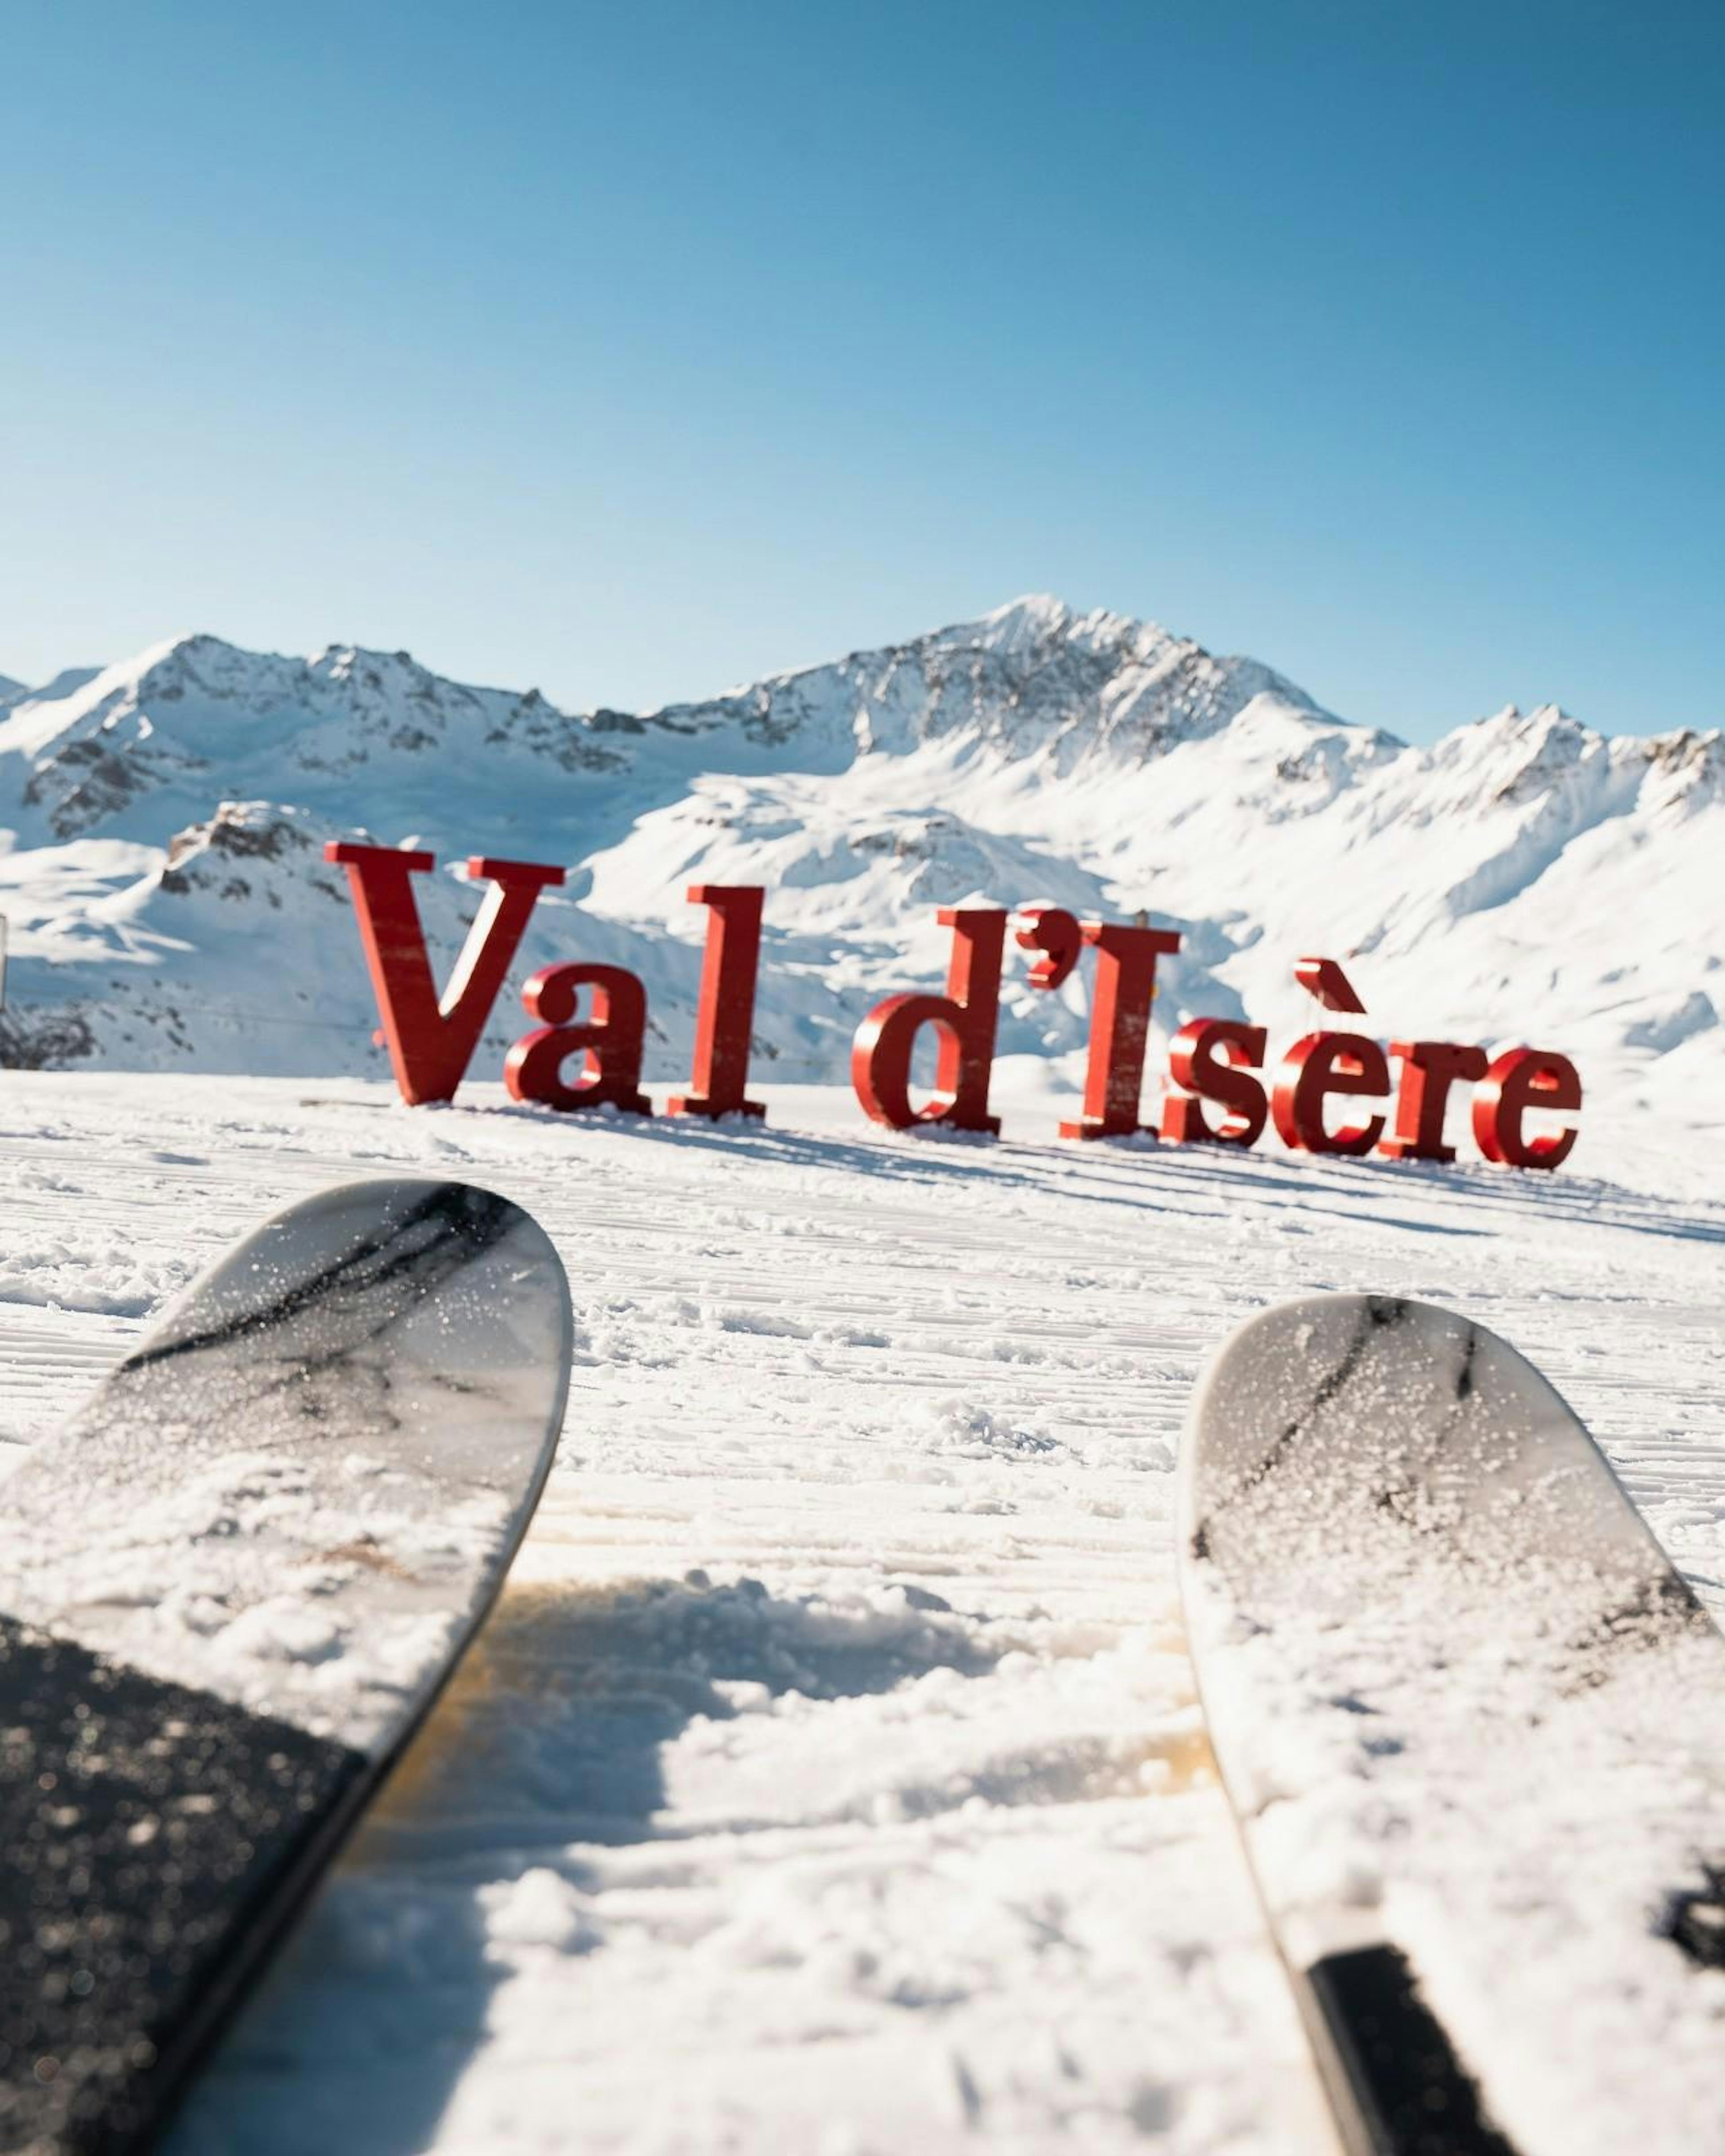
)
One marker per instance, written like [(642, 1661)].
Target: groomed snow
[(829, 1777)]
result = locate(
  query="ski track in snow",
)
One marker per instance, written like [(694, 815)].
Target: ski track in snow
[(829, 1777)]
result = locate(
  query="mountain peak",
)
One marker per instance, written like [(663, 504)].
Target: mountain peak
[(192, 661), (1040, 618), (1032, 619), (338, 661)]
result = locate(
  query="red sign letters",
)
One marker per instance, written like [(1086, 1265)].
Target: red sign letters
[(1330, 1092)]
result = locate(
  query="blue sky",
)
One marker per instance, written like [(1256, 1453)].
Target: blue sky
[(632, 351)]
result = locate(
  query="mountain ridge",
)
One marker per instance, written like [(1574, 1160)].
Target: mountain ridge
[(1222, 684), (1014, 627)]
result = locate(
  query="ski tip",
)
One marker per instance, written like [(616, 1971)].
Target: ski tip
[(431, 1225), (1261, 1386), (1333, 1401)]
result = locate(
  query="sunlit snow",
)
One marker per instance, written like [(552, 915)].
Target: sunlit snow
[(831, 1776)]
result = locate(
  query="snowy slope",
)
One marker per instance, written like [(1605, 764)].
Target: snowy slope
[(1523, 879), (831, 1778)]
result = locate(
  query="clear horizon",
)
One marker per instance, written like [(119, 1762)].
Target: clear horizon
[(633, 358)]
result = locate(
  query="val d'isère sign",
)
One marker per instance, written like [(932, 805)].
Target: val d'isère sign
[(1221, 1088)]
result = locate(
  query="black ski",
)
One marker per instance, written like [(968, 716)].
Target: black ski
[(1470, 1720), (229, 1591)]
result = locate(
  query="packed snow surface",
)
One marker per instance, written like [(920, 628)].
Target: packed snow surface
[(830, 1776)]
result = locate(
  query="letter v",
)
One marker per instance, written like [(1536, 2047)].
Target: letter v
[(431, 1041)]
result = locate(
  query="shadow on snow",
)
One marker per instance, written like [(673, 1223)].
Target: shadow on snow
[(553, 1734)]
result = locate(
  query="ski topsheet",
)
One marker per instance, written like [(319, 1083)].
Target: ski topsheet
[(1472, 1725), (228, 1592)]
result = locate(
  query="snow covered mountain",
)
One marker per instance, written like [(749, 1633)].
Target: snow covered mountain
[(163, 821)]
